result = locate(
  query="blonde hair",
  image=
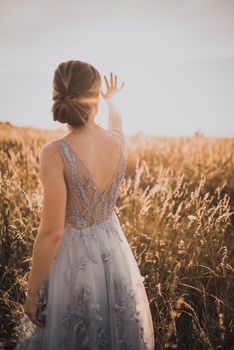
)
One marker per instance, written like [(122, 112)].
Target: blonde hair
[(76, 87)]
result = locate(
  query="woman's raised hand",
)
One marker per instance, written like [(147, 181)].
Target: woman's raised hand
[(111, 89)]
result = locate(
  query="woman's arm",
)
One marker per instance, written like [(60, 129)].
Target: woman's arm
[(114, 117), (51, 227)]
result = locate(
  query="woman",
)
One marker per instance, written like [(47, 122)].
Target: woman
[(85, 290)]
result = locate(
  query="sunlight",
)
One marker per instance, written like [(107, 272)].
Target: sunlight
[(178, 73)]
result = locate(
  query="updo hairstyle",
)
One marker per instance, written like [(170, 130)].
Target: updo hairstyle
[(76, 87)]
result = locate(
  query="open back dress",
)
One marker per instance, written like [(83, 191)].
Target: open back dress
[(93, 297)]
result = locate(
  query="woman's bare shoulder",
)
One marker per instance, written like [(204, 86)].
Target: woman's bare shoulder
[(118, 132), (49, 151)]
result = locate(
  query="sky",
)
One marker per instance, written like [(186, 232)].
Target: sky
[(175, 57)]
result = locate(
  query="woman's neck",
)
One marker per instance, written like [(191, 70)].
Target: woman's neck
[(90, 125)]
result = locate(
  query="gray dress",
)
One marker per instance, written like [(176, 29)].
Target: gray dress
[(94, 296)]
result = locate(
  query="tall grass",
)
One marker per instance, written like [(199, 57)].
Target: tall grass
[(176, 209)]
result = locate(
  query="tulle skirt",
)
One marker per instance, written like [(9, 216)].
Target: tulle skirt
[(93, 297)]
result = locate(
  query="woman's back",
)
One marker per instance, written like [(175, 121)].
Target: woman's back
[(92, 179), (99, 151)]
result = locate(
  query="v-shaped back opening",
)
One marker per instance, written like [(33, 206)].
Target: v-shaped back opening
[(88, 172)]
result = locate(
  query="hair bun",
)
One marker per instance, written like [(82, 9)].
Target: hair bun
[(75, 84), (67, 111)]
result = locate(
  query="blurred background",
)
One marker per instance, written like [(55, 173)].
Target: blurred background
[(175, 57), (176, 204)]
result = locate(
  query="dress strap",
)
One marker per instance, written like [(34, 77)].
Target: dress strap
[(119, 134), (64, 153), (60, 148)]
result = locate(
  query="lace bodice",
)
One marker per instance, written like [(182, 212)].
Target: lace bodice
[(86, 204)]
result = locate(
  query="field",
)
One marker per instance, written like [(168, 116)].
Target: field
[(176, 208)]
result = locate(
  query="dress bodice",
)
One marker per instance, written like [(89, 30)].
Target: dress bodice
[(86, 204)]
